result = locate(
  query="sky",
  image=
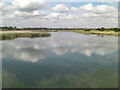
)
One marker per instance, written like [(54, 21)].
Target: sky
[(59, 13)]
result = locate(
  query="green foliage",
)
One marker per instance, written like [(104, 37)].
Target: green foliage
[(8, 28), (102, 29), (87, 29), (116, 29), (108, 29), (44, 28), (10, 36), (98, 29)]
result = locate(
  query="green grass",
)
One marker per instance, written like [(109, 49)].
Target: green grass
[(10, 36), (113, 33)]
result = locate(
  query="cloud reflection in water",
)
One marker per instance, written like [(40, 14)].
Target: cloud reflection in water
[(59, 43)]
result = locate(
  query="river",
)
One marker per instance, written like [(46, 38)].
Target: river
[(63, 60)]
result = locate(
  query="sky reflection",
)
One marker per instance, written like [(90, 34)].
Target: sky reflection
[(60, 44), (64, 60)]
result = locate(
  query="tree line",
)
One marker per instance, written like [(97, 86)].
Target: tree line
[(44, 28)]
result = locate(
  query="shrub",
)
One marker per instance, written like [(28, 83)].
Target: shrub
[(86, 29)]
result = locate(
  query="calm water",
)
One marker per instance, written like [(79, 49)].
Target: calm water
[(64, 60)]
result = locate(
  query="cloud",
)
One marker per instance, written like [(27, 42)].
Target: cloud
[(60, 51), (105, 9), (52, 15), (22, 10), (119, 14), (28, 55), (60, 15), (26, 52), (87, 7), (4, 8), (30, 50), (88, 13), (61, 8), (29, 5), (26, 15), (100, 9), (74, 9)]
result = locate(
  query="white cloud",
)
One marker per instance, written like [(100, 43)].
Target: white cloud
[(100, 9), (26, 15), (87, 7), (61, 8), (38, 12), (75, 9), (22, 9), (97, 15), (4, 8), (61, 15), (59, 43), (29, 56), (28, 5), (52, 15)]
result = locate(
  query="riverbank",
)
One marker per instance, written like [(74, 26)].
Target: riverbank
[(45, 32), (9, 35), (112, 33)]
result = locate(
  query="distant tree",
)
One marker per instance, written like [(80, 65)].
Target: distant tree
[(98, 29), (111, 29), (102, 29), (87, 29), (15, 28), (5, 28), (10, 28), (115, 29), (118, 29)]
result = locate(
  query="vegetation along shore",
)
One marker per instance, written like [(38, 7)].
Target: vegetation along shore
[(99, 31), (14, 35)]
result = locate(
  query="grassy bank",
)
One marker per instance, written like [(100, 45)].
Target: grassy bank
[(10, 36), (112, 33), (100, 31)]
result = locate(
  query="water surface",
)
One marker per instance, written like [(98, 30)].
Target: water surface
[(64, 60)]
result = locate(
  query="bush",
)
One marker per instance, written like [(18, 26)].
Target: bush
[(86, 29), (98, 29), (102, 29)]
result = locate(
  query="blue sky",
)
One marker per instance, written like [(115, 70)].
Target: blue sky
[(75, 4), (71, 0), (78, 4), (60, 14)]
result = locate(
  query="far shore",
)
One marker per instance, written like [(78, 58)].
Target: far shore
[(111, 33)]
